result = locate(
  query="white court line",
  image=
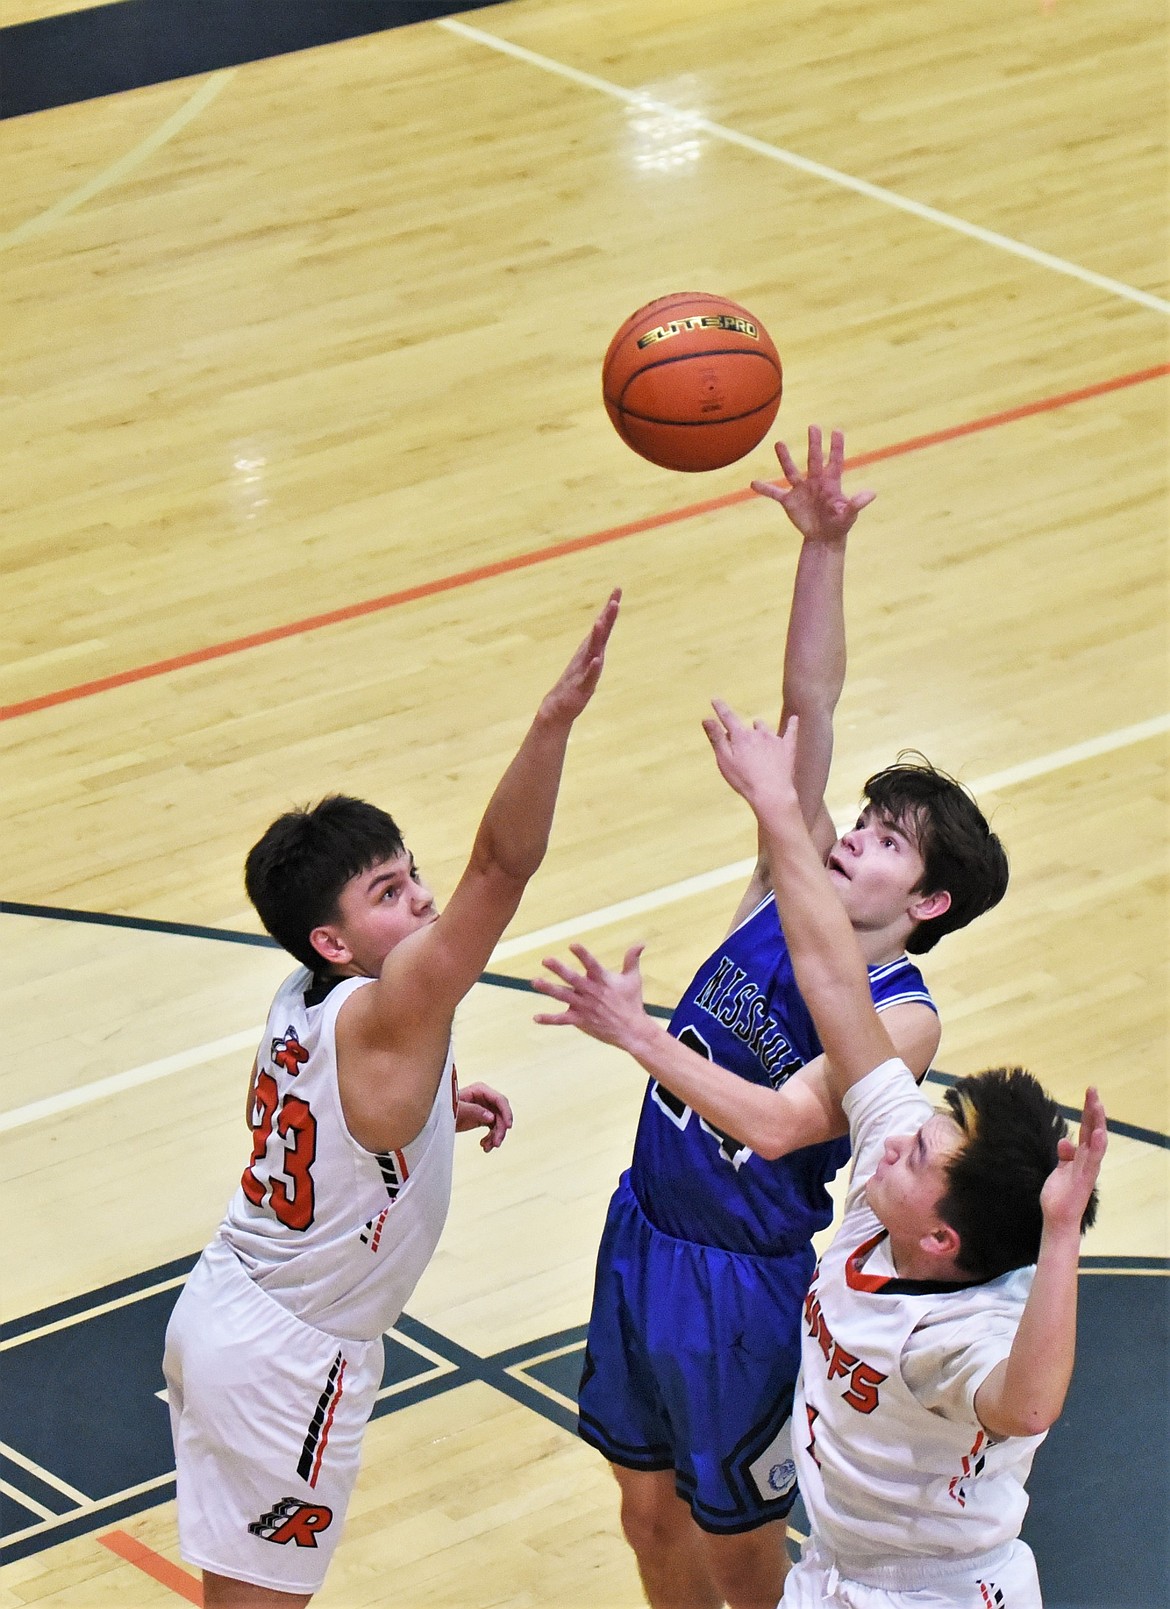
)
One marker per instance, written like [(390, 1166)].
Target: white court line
[(83, 1317), (27, 1502), (90, 1506), (53, 1105), (42, 1474), (541, 938), (133, 158), (817, 170)]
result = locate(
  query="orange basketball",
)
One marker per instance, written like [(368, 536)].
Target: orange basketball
[(692, 381)]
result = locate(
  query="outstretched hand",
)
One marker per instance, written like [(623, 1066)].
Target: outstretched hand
[(814, 501), (1069, 1188), (577, 682), (481, 1107), (603, 1004), (754, 760)]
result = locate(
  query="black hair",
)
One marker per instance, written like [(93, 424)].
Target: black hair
[(960, 853), (295, 874), (1011, 1126)]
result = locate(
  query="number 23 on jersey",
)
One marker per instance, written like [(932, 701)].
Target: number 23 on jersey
[(284, 1185)]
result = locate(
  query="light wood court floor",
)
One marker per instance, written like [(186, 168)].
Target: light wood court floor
[(327, 328)]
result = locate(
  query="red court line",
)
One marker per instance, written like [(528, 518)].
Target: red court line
[(154, 1565), (578, 544)]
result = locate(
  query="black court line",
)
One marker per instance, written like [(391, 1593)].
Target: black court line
[(80, 55), (499, 980)]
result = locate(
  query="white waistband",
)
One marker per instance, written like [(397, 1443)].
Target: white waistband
[(905, 1574)]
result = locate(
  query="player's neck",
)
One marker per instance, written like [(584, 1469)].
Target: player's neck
[(883, 944)]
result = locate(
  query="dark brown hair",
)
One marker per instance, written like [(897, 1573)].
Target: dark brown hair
[(960, 853), (295, 874)]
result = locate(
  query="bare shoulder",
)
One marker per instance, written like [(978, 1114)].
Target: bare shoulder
[(388, 1075), (915, 1030)]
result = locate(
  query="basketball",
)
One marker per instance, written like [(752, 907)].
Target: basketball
[(692, 381)]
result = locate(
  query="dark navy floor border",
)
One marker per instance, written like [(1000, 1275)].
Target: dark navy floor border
[(79, 55), (118, 1341), (500, 980)]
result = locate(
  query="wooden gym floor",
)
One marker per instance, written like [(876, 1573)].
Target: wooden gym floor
[(307, 485)]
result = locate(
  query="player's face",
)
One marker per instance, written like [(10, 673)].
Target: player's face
[(876, 869), (379, 908), (910, 1180)]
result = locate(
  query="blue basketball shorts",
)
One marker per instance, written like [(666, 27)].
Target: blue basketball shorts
[(691, 1365)]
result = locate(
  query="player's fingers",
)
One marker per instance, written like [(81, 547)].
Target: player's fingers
[(543, 986), (861, 500), (547, 1020), (632, 956), (787, 463), (559, 970), (776, 490), (732, 724), (836, 454), (604, 624), (555, 991), (816, 462), (593, 967)]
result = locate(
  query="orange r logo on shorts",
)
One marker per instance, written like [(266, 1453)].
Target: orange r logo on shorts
[(293, 1521)]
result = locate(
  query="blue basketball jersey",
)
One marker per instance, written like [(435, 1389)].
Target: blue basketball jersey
[(743, 1010)]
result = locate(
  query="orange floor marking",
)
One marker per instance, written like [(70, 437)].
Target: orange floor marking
[(579, 544), (154, 1565)]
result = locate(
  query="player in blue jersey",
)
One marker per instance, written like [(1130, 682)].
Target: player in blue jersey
[(694, 1337)]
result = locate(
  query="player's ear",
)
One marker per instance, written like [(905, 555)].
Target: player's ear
[(930, 905), (330, 946), (941, 1242)]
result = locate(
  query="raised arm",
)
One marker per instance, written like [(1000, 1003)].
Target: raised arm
[(814, 649), (1023, 1395), (392, 1037), (830, 970), (427, 976)]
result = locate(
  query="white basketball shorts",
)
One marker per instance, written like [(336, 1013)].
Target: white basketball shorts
[(1005, 1579), (267, 1415)]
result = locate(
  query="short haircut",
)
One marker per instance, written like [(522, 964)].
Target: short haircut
[(992, 1200), (960, 853), (295, 874)]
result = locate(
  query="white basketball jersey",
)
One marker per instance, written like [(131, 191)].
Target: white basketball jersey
[(881, 1475), (338, 1235)]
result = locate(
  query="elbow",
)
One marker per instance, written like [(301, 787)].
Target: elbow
[(771, 1144), (507, 866), (1023, 1422), (1035, 1424)]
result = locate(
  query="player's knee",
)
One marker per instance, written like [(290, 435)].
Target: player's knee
[(749, 1569), (653, 1517)]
